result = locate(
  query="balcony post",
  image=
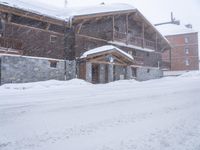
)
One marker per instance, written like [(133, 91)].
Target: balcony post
[(143, 44), (127, 29), (113, 28), (156, 41)]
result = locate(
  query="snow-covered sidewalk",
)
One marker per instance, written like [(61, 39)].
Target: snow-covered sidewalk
[(125, 115)]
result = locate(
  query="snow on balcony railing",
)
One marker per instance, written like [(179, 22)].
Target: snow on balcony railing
[(133, 40)]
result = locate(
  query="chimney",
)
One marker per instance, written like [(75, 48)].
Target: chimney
[(65, 3), (188, 26), (102, 3)]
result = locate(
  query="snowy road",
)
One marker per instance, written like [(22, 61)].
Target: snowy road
[(125, 115)]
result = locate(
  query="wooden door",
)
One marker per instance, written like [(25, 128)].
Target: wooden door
[(95, 73)]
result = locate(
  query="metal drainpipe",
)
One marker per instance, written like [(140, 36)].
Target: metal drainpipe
[(170, 55), (65, 44), (75, 59), (65, 51)]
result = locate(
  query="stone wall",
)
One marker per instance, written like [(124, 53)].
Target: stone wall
[(119, 73), (21, 69), (148, 73)]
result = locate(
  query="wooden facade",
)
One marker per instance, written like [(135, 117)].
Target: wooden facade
[(31, 34)]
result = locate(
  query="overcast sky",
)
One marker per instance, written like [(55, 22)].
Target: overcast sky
[(187, 11)]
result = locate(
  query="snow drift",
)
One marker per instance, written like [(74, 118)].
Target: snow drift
[(124, 115)]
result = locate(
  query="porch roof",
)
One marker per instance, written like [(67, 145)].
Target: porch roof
[(106, 48)]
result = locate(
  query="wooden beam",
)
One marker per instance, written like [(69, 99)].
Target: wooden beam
[(156, 41), (47, 27), (102, 57), (79, 28), (92, 56), (23, 13), (127, 29), (97, 57), (103, 14), (90, 37), (143, 44), (119, 60), (38, 29), (113, 28), (108, 63)]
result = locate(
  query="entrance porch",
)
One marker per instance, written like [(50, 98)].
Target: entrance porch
[(106, 64)]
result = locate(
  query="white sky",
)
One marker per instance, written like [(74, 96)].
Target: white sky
[(187, 11)]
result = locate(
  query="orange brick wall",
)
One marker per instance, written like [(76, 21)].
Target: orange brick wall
[(178, 52)]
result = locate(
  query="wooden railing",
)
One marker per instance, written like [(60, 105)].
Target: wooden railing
[(133, 40), (10, 43), (137, 41)]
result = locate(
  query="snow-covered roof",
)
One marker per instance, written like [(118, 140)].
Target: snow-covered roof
[(104, 49), (173, 29), (131, 46), (29, 57), (67, 12)]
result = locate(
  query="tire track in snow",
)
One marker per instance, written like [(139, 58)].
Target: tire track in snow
[(88, 129)]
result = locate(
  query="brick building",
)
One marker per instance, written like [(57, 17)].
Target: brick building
[(184, 53)]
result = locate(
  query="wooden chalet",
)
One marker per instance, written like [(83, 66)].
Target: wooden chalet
[(69, 34)]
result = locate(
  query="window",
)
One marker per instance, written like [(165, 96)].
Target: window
[(147, 54), (116, 28), (148, 70), (186, 50), (130, 52), (134, 53), (53, 64), (186, 40), (53, 38), (187, 62)]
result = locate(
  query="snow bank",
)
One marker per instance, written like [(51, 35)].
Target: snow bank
[(160, 114), (44, 84), (191, 74)]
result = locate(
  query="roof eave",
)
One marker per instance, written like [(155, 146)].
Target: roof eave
[(101, 14), (167, 42)]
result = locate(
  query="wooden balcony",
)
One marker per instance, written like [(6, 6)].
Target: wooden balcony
[(133, 40), (10, 43)]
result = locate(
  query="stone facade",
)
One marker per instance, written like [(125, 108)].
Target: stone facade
[(102, 73), (21, 69), (129, 73), (148, 73), (88, 72), (110, 73)]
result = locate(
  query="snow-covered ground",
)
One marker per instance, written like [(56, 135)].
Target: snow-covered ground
[(161, 114)]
